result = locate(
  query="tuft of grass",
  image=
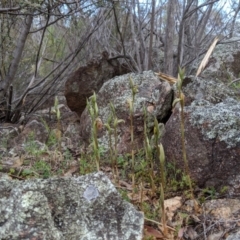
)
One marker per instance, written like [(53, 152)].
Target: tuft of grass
[(207, 193), (52, 138), (42, 168), (31, 147), (177, 180), (86, 165)]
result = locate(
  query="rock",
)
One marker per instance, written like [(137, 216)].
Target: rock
[(81, 84), (234, 236), (214, 91), (88, 207), (171, 205), (212, 135), (225, 212), (7, 131), (215, 236), (42, 125), (49, 114), (34, 130), (224, 62), (222, 209), (212, 126), (214, 219), (152, 93)]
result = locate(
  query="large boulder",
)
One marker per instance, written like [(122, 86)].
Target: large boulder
[(211, 90), (211, 122), (224, 63), (87, 207), (155, 95), (212, 135), (81, 83)]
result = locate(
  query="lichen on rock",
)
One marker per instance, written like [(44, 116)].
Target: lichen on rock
[(88, 207), (221, 120)]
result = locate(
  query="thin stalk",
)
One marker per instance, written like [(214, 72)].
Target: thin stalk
[(131, 106), (59, 127), (96, 148), (184, 149), (163, 215), (162, 163), (132, 145), (96, 126), (115, 151)]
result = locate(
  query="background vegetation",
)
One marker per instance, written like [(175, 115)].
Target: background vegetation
[(43, 41)]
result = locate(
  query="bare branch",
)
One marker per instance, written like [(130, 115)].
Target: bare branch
[(7, 10), (234, 81)]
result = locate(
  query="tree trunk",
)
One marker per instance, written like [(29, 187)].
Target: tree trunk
[(17, 54), (151, 36), (234, 20), (169, 38)]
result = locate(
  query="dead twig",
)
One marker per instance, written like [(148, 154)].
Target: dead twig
[(158, 223), (234, 81)]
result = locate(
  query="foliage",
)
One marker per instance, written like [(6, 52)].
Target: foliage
[(207, 193), (42, 168), (176, 178), (32, 147)]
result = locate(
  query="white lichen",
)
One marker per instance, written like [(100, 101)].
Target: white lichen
[(217, 121)]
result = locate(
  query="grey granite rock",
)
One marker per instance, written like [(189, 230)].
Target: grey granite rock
[(154, 95), (88, 207), (234, 236)]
